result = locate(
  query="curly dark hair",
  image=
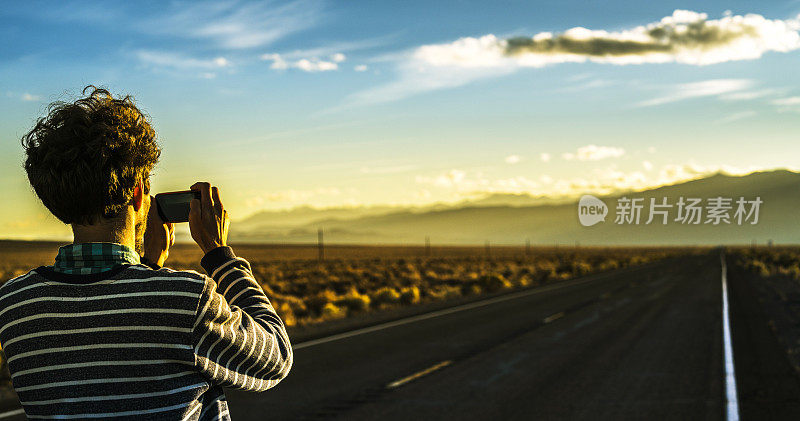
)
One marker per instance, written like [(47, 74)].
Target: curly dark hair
[(85, 158)]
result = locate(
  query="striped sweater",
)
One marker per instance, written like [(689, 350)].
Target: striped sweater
[(136, 343)]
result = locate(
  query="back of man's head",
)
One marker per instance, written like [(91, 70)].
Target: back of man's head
[(85, 158)]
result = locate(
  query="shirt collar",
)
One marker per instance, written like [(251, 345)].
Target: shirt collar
[(88, 258)]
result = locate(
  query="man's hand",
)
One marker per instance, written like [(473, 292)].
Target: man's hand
[(158, 236), (208, 220)]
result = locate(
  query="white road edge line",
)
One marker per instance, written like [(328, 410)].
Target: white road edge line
[(12, 413), (446, 311), (429, 370), (732, 412)]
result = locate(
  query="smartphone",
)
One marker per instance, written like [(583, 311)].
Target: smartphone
[(174, 206)]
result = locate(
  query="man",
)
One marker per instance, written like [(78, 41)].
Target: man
[(106, 331)]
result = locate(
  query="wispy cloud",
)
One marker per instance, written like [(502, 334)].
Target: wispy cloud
[(735, 117), (594, 153), (462, 181), (177, 61), (603, 180), (198, 29), (685, 37), (322, 58), (794, 100), (787, 104), (293, 196), (313, 64), (29, 97), (752, 94), (592, 84), (333, 48), (227, 24), (705, 88), (452, 178), (234, 24), (394, 169), (414, 79)]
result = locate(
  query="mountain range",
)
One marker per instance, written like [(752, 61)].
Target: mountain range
[(511, 219)]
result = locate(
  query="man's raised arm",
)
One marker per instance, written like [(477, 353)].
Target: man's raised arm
[(239, 341)]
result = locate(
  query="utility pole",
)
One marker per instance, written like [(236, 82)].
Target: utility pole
[(427, 246), (320, 246), (488, 250), (527, 247)]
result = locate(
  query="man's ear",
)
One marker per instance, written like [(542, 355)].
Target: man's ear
[(138, 196)]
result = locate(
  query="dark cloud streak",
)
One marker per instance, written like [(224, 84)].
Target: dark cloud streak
[(660, 38)]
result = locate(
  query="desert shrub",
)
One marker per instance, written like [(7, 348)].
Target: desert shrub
[(580, 268), (287, 315), (608, 264), (354, 301), (562, 276), (444, 292), (770, 261), (494, 282), (523, 280), (385, 295), (792, 270), (297, 306), (331, 311), (758, 267), (470, 288), (318, 301), (546, 271), (409, 295)]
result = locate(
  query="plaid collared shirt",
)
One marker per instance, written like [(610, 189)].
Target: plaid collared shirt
[(88, 258)]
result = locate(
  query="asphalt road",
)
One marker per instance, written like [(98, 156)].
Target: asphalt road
[(639, 343)]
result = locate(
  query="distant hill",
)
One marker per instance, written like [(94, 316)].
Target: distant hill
[(307, 214), (543, 220), (513, 199)]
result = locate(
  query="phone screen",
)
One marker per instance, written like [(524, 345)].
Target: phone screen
[(174, 206)]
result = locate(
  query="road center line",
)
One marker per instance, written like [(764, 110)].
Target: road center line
[(732, 412), (12, 413), (552, 317), (429, 370)]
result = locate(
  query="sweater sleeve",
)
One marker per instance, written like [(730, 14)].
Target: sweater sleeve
[(239, 341)]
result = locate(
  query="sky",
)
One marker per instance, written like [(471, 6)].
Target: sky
[(364, 103)]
